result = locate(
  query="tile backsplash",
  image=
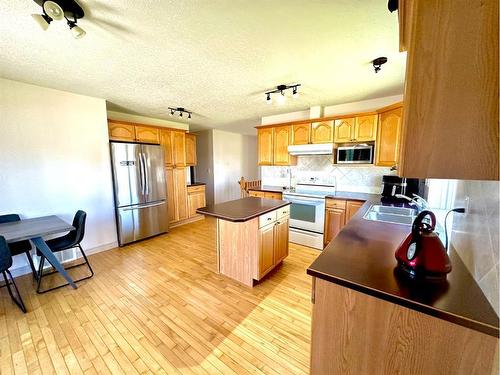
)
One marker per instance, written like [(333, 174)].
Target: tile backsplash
[(475, 234), (365, 179)]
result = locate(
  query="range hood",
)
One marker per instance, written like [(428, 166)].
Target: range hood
[(319, 149)]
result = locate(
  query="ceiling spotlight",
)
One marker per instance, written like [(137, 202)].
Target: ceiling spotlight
[(53, 10), (282, 92), (42, 20), (378, 62), (180, 110), (76, 30)]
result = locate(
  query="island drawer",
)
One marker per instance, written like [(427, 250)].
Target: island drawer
[(283, 211), (268, 218)]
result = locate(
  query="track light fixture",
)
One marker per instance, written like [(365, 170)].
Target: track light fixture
[(58, 10), (281, 93), (378, 62), (180, 110)]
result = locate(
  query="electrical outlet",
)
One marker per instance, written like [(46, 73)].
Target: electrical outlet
[(466, 204)]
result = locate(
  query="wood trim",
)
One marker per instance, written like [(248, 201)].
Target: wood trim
[(175, 224), (146, 125), (319, 119), (389, 107)]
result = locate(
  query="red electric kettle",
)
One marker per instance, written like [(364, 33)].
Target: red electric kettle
[(422, 254)]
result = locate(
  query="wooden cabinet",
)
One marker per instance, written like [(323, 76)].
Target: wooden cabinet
[(356, 129), (344, 130), (196, 199), (351, 208), (265, 146), (301, 134), (334, 222), (365, 128), (338, 212), (119, 131), (177, 194), (179, 148), (322, 132), (389, 137), (190, 149), (451, 107), (257, 193), (266, 249), (147, 134), (353, 332), (281, 240), (282, 139), (265, 194), (166, 144)]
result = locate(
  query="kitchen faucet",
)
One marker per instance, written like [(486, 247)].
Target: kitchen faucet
[(417, 201)]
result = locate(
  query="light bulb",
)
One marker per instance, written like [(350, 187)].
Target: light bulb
[(53, 10), (42, 20), (281, 98), (77, 31)]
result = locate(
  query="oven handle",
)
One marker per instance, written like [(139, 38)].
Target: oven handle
[(314, 202)]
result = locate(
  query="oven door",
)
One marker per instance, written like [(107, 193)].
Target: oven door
[(355, 155), (307, 213)]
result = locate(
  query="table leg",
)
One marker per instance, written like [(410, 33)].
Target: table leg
[(42, 246)]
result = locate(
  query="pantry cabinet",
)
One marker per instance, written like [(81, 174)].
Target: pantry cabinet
[(388, 143), (177, 194), (190, 149)]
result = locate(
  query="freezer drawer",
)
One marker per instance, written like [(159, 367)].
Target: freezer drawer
[(141, 221)]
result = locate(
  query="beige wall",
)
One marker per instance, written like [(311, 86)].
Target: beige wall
[(475, 235), (55, 159)]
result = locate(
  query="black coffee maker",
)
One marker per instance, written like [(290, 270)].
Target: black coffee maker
[(393, 185)]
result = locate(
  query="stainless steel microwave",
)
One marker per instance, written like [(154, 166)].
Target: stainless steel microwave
[(357, 154)]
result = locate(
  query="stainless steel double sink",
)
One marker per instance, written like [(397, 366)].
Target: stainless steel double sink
[(389, 214)]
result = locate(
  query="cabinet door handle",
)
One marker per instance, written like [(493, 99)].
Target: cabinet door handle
[(269, 219)]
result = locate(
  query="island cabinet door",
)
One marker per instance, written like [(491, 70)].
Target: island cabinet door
[(281, 240), (266, 249)]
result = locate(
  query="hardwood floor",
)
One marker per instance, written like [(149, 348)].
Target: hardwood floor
[(158, 306)]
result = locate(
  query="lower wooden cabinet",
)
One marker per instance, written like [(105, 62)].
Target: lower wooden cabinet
[(273, 244), (176, 194), (265, 194), (338, 212), (196, 199)]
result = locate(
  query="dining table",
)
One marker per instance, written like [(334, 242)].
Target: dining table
[(35, 229)]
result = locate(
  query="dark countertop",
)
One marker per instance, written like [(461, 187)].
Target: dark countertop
[(242, 209), (269, 188), (361, 257), (196, 184), (353, 196)]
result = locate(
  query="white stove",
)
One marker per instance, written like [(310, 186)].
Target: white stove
[(307, 213)]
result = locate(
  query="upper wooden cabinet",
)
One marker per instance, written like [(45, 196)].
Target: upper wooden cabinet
[(119, 131), (166, 144), (265, 146), (322, 132), (146, 134), (389, 137), (282, 139), (190, 149), (301, 134), (344, 130), (450, 119), (365, 128)]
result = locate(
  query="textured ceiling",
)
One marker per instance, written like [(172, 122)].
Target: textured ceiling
[(213, 57)]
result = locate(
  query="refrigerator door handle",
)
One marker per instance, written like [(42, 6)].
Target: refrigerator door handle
[(146, 174), (143, 206), (141, 172)]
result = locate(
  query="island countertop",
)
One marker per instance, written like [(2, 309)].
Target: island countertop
[(243, 209), (362, 258)]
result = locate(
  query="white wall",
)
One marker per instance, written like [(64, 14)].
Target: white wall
[(234, 156), (205, 162), (55, 159), (120, 116)]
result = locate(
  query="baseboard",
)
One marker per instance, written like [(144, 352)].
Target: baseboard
[(24, 270), (186, 221)]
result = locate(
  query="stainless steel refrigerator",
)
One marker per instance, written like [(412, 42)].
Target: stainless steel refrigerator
[(140, 191)]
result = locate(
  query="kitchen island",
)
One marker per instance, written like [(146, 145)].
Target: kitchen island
[(252, 236), (367, 319)]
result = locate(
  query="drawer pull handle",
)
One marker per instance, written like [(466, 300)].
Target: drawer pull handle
[(269, 219)]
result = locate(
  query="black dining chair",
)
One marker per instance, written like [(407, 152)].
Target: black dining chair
[(69, 241), (20, 247), (5, 264)]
